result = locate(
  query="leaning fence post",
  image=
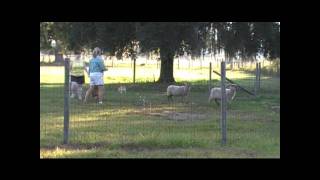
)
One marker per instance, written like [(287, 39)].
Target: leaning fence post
[(66, 101), (223, 104)]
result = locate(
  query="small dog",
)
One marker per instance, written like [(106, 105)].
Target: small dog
[(76, 90)]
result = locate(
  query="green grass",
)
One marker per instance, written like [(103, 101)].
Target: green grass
[(123, 128)]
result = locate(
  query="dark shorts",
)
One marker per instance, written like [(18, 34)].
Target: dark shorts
[(78, 79)]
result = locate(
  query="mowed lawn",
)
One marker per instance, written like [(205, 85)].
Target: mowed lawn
[(143, 124)]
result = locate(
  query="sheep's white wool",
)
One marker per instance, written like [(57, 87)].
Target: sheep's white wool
[(122, 89), (215, 93), (174, 90)]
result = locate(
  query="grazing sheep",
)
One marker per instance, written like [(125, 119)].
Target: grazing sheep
[(215, 93), (122, 89), (182, 91)]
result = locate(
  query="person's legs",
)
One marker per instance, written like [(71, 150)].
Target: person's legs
[(100, 93), (95, 92), (74, 87), (80, 92), (100, 87), (80, 83), (91, 88), (89, 91)]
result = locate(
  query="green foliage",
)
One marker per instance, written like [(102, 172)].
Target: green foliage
[(237, 39), (178, 37), (45, 35), (244, 39)]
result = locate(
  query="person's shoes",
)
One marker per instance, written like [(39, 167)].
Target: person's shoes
[(100, 102)]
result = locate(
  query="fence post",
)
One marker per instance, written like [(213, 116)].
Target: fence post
[(223, 104), (256, 81), (134, 70), (210, 72), (66, 101), (259, 75)]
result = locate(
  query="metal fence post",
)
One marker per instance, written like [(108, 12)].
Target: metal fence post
[(223, 104), (259, 76), (66, 101), (210, 73), (134, 70), (256, 80)]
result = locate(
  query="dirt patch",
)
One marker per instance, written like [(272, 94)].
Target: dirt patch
[(137, 147), (78, 146), (275, 108), (180, 116)]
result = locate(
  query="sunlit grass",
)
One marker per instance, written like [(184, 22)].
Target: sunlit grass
[(61, 152), (123, 73), (123, 128)]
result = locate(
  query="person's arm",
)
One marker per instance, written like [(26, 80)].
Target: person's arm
[(103, 68), (89, 68), (85, 68)]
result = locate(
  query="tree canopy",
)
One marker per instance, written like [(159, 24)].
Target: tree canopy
[(236, 39)]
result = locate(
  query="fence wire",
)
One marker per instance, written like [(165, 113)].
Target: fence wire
[(144, 118)]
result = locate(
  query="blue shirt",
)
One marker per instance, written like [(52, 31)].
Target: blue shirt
[(96, 65)]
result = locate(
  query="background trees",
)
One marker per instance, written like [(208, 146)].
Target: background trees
[(244, 40)]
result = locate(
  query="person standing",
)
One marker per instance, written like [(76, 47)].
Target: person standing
[(96, 69)]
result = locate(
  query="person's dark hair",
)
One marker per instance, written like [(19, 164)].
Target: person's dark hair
[(77, 52)]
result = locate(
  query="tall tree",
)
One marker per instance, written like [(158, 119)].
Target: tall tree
[(117, 38), (170, 38), (57, 31), (244, 39), (45, 35)]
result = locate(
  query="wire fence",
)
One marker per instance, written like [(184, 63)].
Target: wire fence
[(142, 116)]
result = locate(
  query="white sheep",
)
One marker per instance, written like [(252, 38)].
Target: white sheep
[(215, 93), (122, 89), (181, 91)]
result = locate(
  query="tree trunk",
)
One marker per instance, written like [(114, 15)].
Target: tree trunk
[(201, 61), (231, 64), (166, 69), (58, 58)]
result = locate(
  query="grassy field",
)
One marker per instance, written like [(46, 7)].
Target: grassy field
[(142, 124)]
